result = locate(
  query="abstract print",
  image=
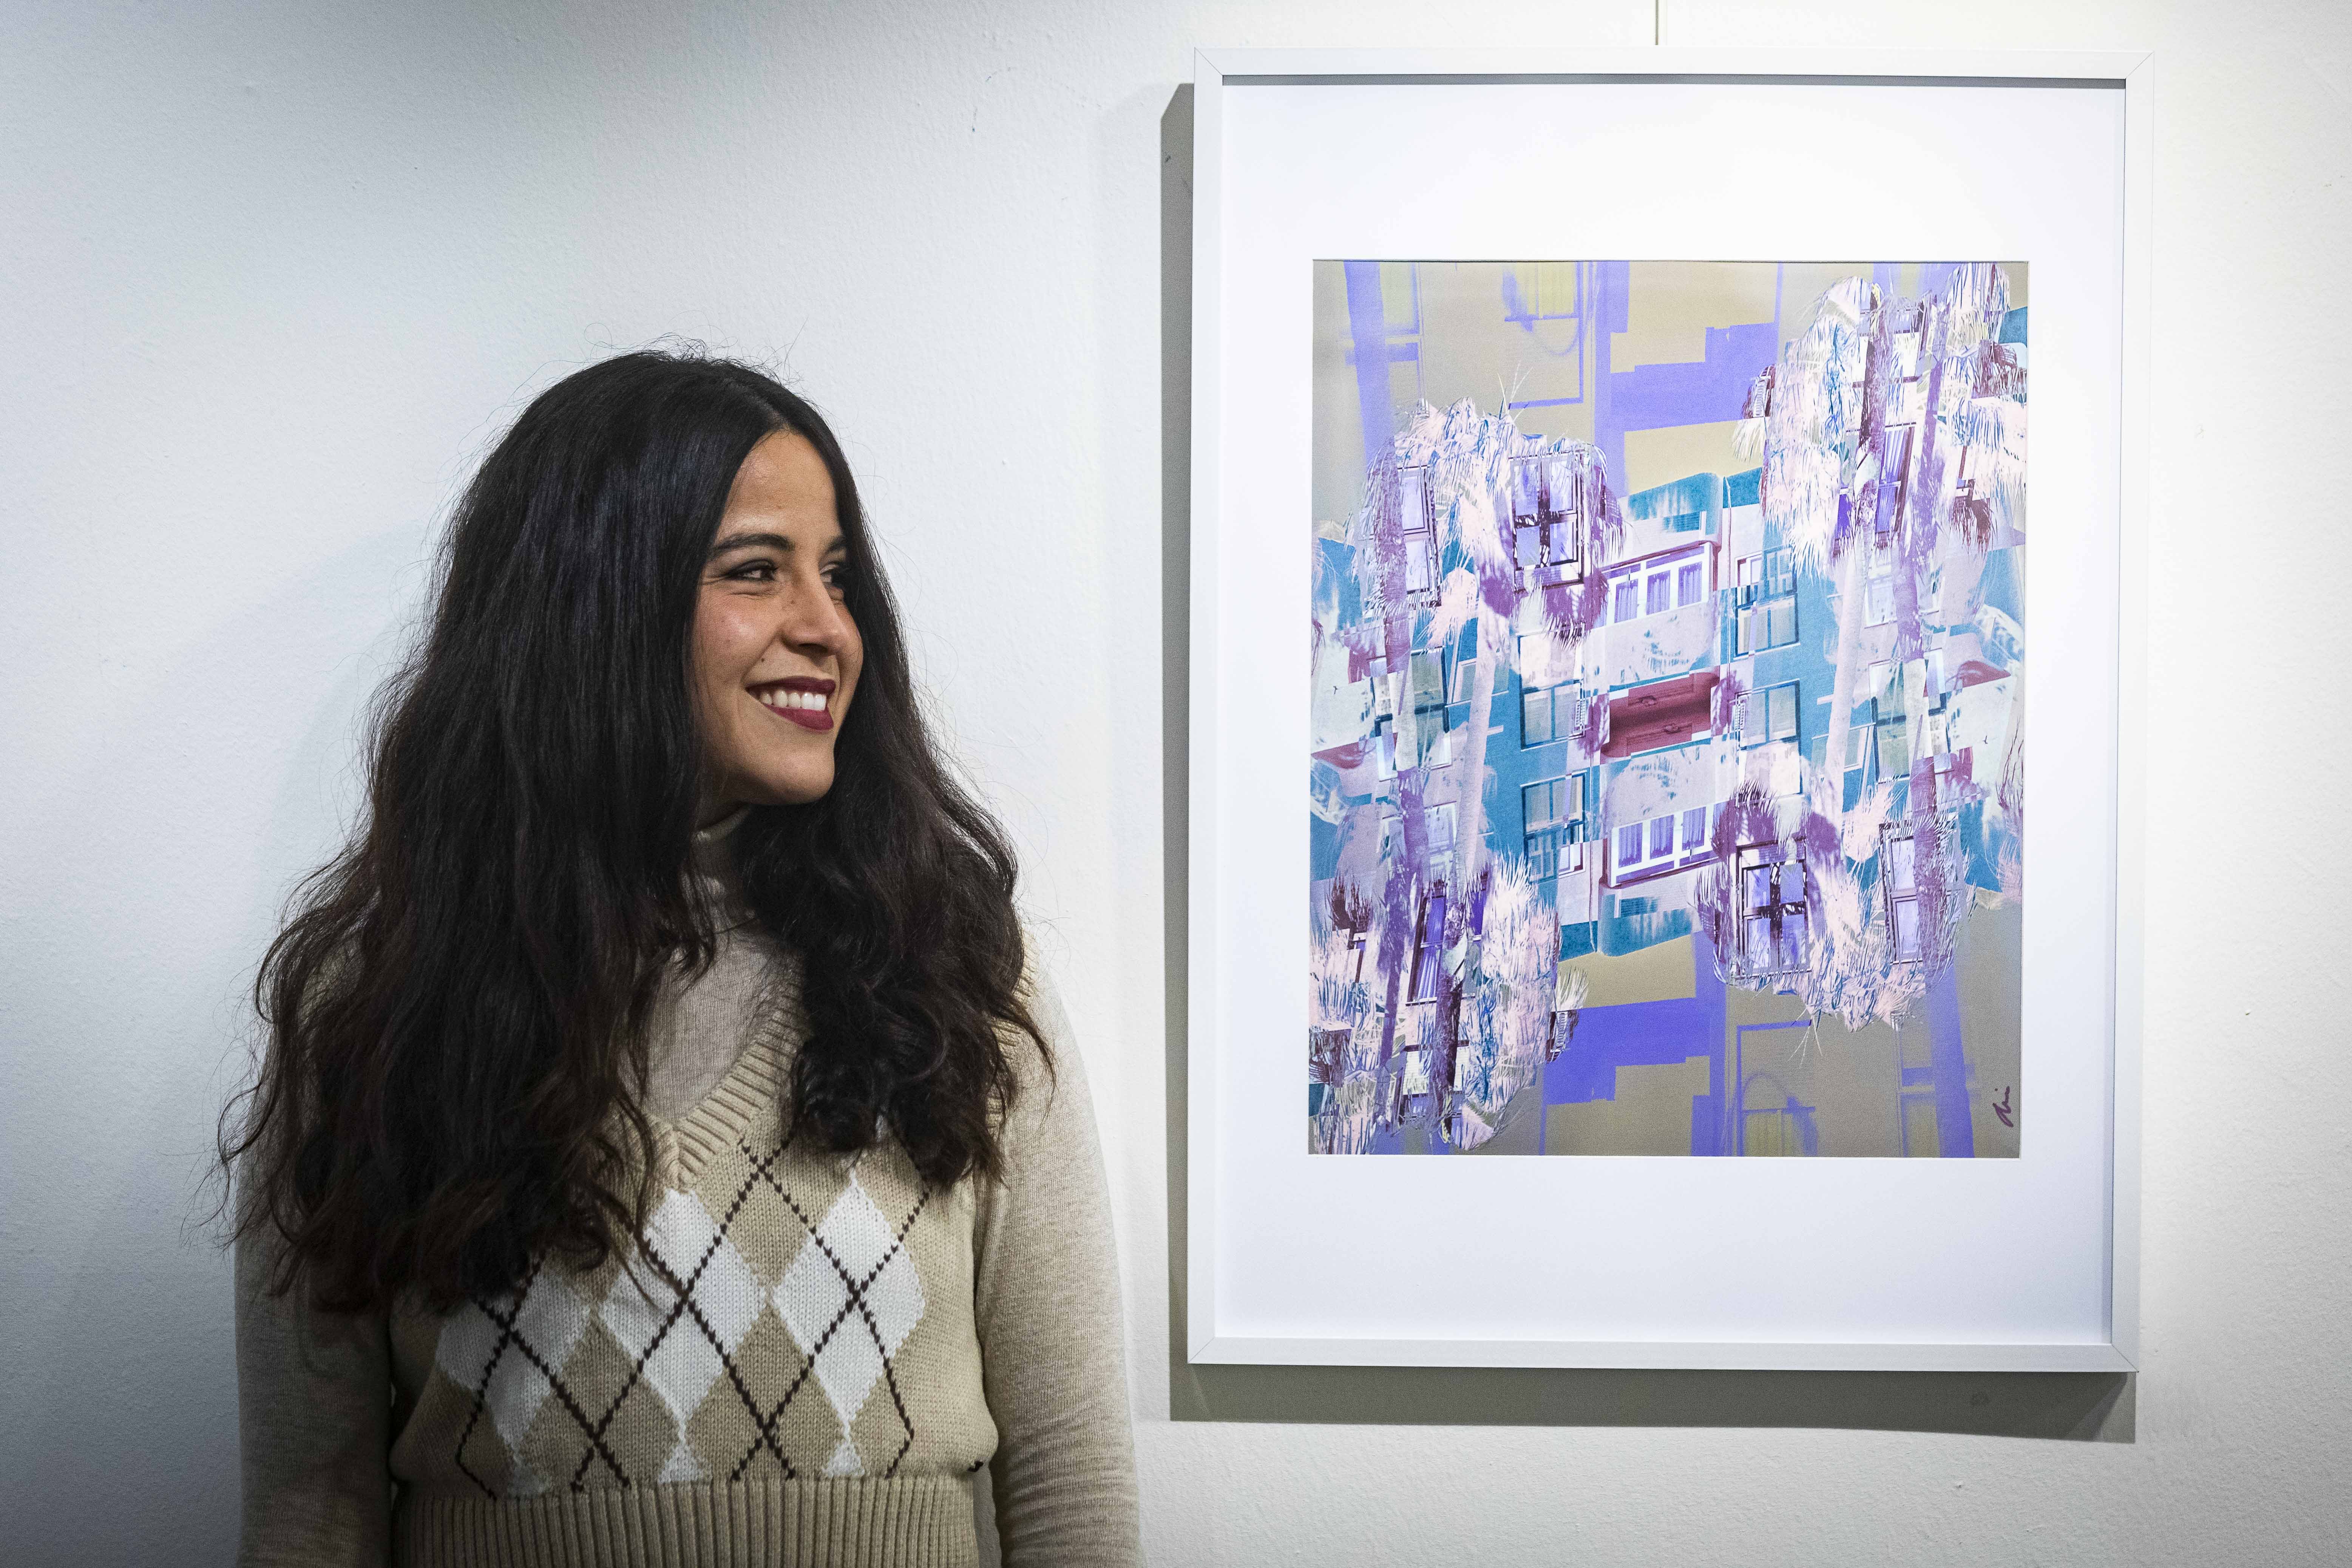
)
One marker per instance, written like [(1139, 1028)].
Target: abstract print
[(1666, 782)]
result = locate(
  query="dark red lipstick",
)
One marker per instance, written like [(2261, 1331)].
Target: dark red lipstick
[(789, 699)]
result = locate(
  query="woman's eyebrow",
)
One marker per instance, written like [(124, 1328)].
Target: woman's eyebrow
[(751, 541), (838, 545)]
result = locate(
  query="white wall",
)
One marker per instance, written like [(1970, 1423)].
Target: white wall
[(271, 275)]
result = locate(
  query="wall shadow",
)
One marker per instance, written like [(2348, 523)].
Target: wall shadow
[(2072, 1407)]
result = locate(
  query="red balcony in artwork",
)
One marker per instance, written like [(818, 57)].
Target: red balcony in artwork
[(1661, 713)]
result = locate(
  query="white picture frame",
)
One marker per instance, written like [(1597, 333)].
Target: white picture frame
[(1294, 1258)]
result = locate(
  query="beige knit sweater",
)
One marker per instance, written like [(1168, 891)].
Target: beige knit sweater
[(805, 1360)]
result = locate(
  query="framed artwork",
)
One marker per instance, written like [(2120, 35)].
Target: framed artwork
[(1612, 501)]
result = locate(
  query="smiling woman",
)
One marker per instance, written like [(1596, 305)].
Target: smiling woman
[(667, 1149), (773, 637)]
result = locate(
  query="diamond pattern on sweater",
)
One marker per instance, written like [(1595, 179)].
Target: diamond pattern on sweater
[(507, 1353), (682, 1318), (699, 1354), (850, 1299)]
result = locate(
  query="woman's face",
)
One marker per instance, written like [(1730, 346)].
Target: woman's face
[(775, 654)]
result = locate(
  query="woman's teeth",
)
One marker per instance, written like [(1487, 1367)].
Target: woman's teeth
[(809, 701)]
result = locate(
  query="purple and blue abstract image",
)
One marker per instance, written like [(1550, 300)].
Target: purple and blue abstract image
[(1666, 783)]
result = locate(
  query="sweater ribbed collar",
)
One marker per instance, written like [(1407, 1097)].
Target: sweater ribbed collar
[(712, 866)]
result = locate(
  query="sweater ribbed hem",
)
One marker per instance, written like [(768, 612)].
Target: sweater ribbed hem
[(921, 1521)]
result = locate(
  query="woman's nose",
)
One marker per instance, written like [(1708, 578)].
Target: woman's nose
[(813, 618)]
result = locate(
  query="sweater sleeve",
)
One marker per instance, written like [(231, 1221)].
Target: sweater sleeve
[(314, 1427), (1049, 1317)]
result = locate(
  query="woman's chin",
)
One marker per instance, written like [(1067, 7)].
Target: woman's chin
[(798, 785)]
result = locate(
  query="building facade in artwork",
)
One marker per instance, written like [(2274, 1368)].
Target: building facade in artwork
[(1766, 718)]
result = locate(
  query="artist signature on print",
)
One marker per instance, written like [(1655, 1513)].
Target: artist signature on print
[(2000, 1108)]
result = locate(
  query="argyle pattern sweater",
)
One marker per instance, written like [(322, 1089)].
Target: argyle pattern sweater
[(804, 1360)]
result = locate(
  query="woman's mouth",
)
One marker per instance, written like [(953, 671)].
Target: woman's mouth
[(802, 701)]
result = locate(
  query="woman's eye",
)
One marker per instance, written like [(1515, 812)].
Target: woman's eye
[(755, 571)]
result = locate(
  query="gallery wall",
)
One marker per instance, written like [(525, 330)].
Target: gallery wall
[(272, 276)]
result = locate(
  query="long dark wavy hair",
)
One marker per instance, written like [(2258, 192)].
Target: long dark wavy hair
[(455, 1011)]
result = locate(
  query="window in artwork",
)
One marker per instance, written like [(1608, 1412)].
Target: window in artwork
[(1526, 490), (1893, 480), (1878, 603), (1765, 602), (1549, 714), (1554, 809), (1654, 587), (1413, 500), (1543, 850), (1894, 730), (1551, 802), (1662, 837), (1437, 832), (1429, 690), (1420, 568), (1899, 872), (1769, 715), (1695, 837), (1772, 913), (1546, 495), (1651, 844), (1416, 523), (1536, 725), (1567, 496), (1427, 966), (1438, 822)]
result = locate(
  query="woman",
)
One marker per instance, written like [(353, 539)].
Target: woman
[(665, 1150)]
